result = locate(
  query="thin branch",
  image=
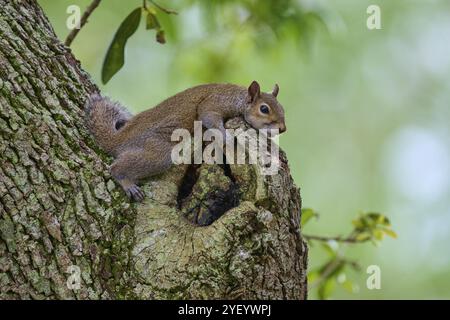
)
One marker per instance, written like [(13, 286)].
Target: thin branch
[(331, 267), (328, 270), (349, 239), (94, 4), (336, 263), (168, 11)]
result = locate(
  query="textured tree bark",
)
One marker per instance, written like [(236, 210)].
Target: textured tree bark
[(205, 231)]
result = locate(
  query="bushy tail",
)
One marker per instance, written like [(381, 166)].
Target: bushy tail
[(104, 119)]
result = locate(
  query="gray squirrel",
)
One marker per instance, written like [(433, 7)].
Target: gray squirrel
[(141, 144)]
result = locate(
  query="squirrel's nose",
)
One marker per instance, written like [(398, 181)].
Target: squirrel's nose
[(282, 128)]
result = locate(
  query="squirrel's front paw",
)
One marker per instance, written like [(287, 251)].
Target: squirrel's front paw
[(135, 193)]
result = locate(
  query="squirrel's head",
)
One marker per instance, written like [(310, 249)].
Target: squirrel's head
[(263, 110)]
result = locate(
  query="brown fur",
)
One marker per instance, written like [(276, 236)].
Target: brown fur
[(141, 144)]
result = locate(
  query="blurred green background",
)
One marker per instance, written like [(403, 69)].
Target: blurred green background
[(368, 111)]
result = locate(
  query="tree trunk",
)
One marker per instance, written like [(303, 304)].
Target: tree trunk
[(67, 231)]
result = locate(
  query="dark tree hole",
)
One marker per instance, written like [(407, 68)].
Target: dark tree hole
[(216, 202)]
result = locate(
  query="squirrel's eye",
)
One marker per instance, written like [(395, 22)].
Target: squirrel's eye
[(264, 109)]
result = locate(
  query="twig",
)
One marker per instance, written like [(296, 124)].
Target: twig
[(349, 239), (328, 270), (94, 4), (168, 11), (331, 267), (339, 260)]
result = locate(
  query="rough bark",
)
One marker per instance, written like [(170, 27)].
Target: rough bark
[(60, 208)]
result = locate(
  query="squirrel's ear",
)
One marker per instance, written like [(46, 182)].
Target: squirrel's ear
[(275, 90), (254, 91)]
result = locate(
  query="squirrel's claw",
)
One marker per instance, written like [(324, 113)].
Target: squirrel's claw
[(135, 193)]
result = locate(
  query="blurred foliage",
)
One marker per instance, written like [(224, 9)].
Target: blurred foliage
[(371, 226), (115, 56), (367, 226), (272, 18)]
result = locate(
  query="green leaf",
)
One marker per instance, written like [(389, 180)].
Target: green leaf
[(115, 56), (152, 21), (327, 288), (363, 236), (307, 214), (378, 218), (358, 223), (378, 234), (390, 233), (370, 221)]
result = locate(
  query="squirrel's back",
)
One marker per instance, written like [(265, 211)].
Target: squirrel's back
[(178, 111), (186, 102), (113, 126)]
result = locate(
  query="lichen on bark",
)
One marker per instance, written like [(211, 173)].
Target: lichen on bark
[(252, 251), (218, 232), (56, 207)]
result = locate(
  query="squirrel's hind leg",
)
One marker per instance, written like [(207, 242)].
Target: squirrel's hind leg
[(132, 166)]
